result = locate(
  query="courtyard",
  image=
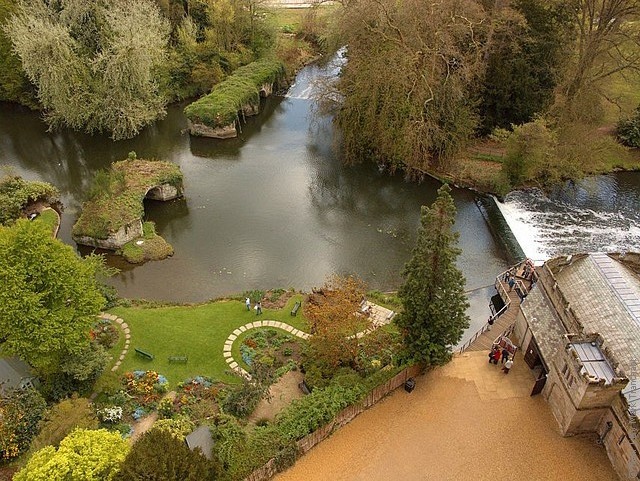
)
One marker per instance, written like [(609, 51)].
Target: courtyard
[(466, 420)]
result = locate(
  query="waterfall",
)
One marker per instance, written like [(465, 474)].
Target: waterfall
[(315, 80), (597, 214)]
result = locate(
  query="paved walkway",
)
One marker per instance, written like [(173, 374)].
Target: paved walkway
[(464, 421), (127, 336), (378, 315)]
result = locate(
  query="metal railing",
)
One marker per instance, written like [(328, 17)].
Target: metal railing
[(507, 301)]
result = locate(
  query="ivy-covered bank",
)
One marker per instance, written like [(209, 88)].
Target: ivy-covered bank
[(112, 217), (215, 115)]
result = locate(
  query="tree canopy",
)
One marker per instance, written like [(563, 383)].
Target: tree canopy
[(334, 322), (93, 63), (160, 456), (89, 455), (433, 297), (50, 296)]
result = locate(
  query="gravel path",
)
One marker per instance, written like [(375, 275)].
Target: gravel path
[(466, 420)]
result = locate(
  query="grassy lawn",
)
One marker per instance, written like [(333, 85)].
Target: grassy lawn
[(50, 218), (198, 332)]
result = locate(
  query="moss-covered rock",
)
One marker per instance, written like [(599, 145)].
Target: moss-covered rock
[(240, 92), (113, 214)]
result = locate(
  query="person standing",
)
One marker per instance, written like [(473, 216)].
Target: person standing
[(490, 322), (247, 302), (258, 308), (496, 355), (505, 355), (507, 366)]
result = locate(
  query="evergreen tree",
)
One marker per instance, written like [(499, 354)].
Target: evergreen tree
[(434, 316), (160, 456)]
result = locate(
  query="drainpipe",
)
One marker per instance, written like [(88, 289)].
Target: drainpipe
[(607, 428)]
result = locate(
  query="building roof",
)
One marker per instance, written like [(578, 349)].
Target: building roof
[(546, 327), (13, 373), (201, 438), (604, 293), (594, 363)]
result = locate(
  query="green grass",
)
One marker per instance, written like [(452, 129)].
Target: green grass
[(198, 332), (221, 106), (154, 247), (118, 195), (50, 218), (490, 157)]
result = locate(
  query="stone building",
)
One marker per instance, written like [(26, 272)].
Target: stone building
[(579, 330)]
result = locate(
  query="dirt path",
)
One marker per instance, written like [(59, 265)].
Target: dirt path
[(282, 393), (464, 421), (143, 425)]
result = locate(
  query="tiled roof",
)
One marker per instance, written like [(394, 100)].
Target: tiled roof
[(602, 293), (545, 326)]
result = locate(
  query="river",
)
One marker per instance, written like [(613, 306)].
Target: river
[(274, 207)]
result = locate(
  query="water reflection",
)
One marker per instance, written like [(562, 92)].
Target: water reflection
[(274, 207)]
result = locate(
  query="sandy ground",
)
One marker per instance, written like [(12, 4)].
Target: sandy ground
[(282, 393), (465, 421)]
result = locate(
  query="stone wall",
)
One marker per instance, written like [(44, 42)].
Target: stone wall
[(620, 439), (343, 417), (201, 130), (164, 192), (116, 239)]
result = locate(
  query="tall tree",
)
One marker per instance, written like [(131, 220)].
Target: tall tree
[(524, 57), (607, 42), (90, 455), (433, 297), (49, 296), (94, 63), (408, 83), (334, 322)]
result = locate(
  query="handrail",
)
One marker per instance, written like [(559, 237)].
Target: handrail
[(507, 301)]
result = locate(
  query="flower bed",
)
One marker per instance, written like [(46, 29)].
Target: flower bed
[(271, 348)]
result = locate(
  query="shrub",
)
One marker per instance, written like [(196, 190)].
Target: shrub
[(16, 193), (628, 130), (20, 413), (160, 455), (61, 419), (179, 427)]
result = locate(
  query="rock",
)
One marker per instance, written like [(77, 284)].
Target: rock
[(201, 130)]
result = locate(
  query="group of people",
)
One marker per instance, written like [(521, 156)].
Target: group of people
[(497, 354), (258, 306)]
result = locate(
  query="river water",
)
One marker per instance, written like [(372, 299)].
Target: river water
[(596, 214), (274, 207)]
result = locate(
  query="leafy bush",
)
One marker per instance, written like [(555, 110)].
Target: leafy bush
[(16, 193), (311, 412), (160, 455), (179, 427), (61, 419), (628, 130), (20, 413)]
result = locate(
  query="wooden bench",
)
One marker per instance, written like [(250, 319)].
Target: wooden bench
[(145, 354), (296, 307), (182, 359)]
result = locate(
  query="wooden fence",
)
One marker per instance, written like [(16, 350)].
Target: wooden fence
[(343, 417)]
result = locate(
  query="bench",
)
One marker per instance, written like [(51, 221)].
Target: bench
[(296, 306), (182, 359), (144, 354)]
